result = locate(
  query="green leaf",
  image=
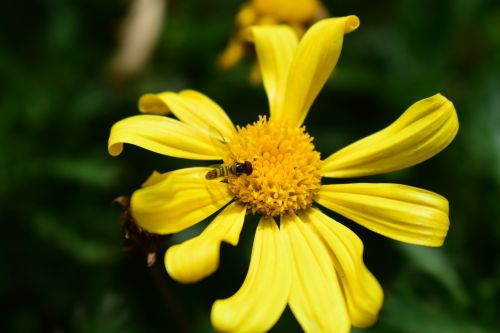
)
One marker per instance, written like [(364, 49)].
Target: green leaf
[(437, 264)]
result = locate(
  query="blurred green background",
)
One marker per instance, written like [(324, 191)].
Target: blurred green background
[(62, 267)]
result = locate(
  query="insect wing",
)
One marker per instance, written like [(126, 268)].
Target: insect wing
[(219, 143)]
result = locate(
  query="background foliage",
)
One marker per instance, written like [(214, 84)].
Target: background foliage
[(62, 268)]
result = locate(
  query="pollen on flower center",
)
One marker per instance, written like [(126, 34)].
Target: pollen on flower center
[(286, 168)]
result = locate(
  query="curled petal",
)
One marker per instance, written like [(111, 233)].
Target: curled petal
[(191, 107), (401, 212), (316, 297), (275, 46), (258, 304), (422, 131), (162, 135), (198, 257), (153, 103), (312, 64), (364, 295), (179, 200)]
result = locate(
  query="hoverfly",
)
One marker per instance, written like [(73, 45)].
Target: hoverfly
[(235, 169), (136, 238), (221, 170)]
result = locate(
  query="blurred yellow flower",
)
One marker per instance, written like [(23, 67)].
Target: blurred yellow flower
[(308, 261), (298, 14)]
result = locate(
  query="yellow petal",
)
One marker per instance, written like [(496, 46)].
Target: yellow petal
[(246, 16), (255, 76), (288, 11), (157, 177), (316, 299), (162, 135), (198, 257), (426, 128), (232, 54), (154, 178), (262, 298), (181, 199), (192, 108), (401, 212), (312, 64), (151, 103), (275, 46), (364, 295)]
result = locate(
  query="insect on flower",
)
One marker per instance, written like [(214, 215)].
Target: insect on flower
[(235, 169), (301, 257), (226, 170)]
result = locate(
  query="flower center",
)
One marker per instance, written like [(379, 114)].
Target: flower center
[(286, 168)]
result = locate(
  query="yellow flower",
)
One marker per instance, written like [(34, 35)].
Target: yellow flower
[(298, 14), (308, 261)]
